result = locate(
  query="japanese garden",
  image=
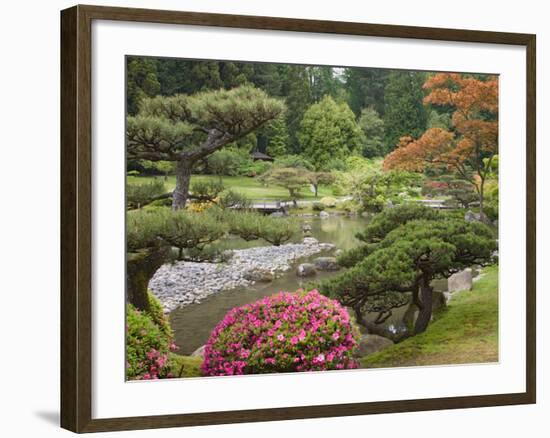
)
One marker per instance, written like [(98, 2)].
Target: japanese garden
[(288, 218)]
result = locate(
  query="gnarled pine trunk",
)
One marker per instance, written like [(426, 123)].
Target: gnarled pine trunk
[(425, 305), (140, 268), (180, 195)]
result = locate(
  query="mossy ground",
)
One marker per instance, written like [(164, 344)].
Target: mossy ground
[(466, 331), (184, 366)]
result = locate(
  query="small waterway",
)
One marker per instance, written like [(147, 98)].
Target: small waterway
[(193, 324)]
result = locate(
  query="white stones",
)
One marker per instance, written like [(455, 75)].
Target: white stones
[(183, 283), (310, 241)]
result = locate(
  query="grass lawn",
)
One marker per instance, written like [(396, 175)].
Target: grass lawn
[(464, 332), (250, 187)]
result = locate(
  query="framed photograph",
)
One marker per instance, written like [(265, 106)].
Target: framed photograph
[(271, 218)]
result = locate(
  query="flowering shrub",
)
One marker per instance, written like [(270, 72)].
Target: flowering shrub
[(148, 341), (302, 331)]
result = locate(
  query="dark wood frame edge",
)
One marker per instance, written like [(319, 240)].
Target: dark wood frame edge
[(76, 168)]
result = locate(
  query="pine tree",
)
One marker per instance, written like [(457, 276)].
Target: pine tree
[(404, 113)]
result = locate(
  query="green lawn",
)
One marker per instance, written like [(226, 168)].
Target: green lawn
[(464, 332), (250, 187)]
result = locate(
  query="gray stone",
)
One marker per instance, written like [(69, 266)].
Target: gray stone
[(306, 270), (259, 274), (338, 252), (277, 214), (310, 241), (471, 216), (326, 264), (369, 344), (324, 215), (460, 281), (327, 246), (199, 352)]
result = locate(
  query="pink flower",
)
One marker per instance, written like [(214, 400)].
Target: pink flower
[(294, 340), (281, 338)]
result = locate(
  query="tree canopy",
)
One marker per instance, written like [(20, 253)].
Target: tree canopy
[(329, 132), (404, 249), (186, 129), (404, 111), (469, 148)]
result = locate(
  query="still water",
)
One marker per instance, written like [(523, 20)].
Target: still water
[(192, 324)]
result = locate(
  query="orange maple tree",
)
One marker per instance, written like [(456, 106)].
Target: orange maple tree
[(470, 146)]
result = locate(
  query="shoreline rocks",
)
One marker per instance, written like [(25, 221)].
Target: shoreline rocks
[(326, 264), (306, 270), (183, 283)]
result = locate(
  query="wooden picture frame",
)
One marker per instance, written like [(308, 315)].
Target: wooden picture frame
[(76, 217)]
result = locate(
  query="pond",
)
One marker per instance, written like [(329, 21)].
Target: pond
[(192, 324)]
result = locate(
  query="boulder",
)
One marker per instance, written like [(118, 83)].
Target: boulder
[(326, 264), (327, 246), (324, 215), (259, 274), (306, 227), (338, 252), (470, 216), (306, 270), (277, 214), (460, 281), (199, 352), (369, 344), (310, 241), (395, 331)]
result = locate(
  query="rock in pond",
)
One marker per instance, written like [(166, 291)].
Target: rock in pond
[(326, 264), (369, 344), (324, 215), (199, 352), (259, 274), (460, 281), (306, 270)]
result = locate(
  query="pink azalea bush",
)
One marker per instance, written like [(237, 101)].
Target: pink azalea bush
[(286, 332), (148, 341)]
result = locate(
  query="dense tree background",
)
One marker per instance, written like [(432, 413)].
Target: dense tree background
[(386, 104)]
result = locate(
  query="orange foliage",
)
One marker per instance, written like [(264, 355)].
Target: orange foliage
[(475, 123)]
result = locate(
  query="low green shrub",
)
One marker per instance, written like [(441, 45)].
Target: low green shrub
[(138, 195), (147, 346), (317, 206), (162, 202), (328, 201)]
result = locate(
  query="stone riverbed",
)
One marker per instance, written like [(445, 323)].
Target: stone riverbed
[(182, 283)]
